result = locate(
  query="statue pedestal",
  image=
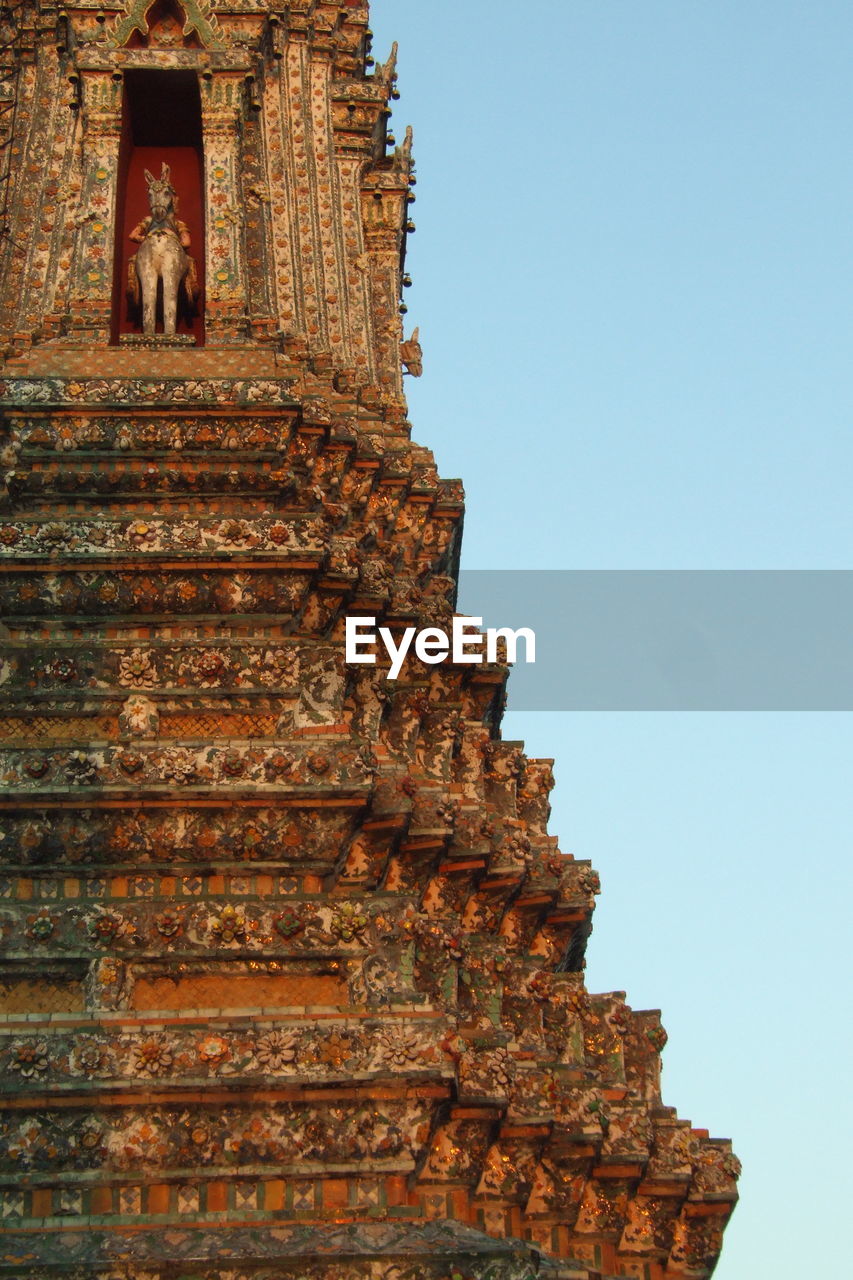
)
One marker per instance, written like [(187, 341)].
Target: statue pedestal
[(156, 341)]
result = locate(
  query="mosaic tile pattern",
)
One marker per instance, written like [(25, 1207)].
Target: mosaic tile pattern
[(291, 969)]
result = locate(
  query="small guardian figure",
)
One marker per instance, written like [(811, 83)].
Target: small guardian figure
[(163, 241), (412, 356)]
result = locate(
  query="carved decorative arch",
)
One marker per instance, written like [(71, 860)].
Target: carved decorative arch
[(199, 20)]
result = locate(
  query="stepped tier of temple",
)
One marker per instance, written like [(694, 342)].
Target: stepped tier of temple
[(291, 970)]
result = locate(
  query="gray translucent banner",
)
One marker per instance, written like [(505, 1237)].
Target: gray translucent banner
[(747, 640)]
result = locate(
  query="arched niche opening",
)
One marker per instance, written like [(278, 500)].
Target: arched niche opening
[(165, 21), (161, 123)]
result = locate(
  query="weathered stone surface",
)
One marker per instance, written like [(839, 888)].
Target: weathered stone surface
[(291, 970)]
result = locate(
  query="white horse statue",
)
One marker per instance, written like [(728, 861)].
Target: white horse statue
[(163, 241)]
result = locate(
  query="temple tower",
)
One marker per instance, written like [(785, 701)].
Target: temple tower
[(292, 972)]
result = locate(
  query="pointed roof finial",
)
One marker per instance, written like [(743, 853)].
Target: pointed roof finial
[(386, 72)]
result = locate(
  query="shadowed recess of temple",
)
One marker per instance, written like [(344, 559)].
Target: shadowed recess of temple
[(292, 972)]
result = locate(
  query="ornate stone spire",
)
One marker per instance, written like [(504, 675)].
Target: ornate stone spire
[(292, 970)]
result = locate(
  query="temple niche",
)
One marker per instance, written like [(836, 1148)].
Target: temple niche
[(162, 130), (161, 125), (291, 969)]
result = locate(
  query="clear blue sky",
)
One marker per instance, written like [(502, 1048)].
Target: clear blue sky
[(634, 284)]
